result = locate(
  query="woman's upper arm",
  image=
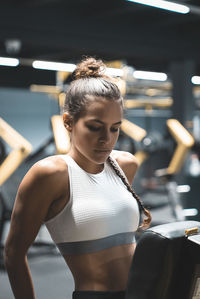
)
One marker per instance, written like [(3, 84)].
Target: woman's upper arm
[(127, 162), (39, 188)]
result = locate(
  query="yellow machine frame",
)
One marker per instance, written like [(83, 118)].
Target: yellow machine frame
[(21, 149), (182, 137), (61, 135)]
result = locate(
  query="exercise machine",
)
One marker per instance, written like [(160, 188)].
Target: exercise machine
[(166, 263), (21, 148), (151, 144)]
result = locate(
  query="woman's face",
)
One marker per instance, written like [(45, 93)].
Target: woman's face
[(95, 133)]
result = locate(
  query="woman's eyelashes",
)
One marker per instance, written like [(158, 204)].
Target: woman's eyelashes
[(93, 128), (96, 129), (114, 129)]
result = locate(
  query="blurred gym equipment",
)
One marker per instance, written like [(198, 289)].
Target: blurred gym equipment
[(148, 104), (183, 138), (136, 133), (166, 263), (61, 135), (2, 151), (165, 178), (21, 149)]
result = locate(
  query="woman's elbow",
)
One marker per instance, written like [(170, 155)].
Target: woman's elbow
[(8, 256), (11, 256)]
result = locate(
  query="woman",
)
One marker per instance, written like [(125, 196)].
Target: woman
[(84, 198)]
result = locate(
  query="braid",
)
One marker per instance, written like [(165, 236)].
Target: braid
[(146, 221)]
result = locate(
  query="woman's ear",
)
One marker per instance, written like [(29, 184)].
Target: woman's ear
[(67, 119)]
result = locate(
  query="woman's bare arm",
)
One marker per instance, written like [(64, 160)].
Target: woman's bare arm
[(40, 187)]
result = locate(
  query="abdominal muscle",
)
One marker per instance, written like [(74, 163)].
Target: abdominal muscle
[(105, 270)]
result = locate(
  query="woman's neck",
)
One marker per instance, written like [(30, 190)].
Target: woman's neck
[(85, 163)]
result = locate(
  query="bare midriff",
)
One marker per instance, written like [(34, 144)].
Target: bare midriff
[(105, 270)]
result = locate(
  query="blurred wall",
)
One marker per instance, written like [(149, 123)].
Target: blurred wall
[(29, 113)]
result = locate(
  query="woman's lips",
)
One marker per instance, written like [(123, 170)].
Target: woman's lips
[(102, 150)]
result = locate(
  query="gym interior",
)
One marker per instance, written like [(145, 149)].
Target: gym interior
[(154, 54)]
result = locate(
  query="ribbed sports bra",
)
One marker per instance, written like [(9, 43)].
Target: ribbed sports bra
[(101, 213)]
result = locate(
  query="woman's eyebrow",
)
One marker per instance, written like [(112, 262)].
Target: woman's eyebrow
[(101, 122)]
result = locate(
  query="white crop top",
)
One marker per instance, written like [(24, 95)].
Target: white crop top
[(101, 212)]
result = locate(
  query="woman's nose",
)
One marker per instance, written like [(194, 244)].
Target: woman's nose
[(105, 136)]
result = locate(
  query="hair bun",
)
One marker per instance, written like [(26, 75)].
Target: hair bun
[(89, 67)]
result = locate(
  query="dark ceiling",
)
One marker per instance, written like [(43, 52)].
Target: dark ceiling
[(64, 30)]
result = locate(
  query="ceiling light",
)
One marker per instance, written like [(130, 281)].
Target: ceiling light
[(183, 188), (114, 72), (9, 61), (175, 7), (53, 66), (195, 80), (150, 75), (190, 212)]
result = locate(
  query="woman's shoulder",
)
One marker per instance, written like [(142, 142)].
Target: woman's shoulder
[(127, 162), (50, 172), (125, 158), (49, 166)]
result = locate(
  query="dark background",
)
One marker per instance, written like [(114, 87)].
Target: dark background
[(144, 37)]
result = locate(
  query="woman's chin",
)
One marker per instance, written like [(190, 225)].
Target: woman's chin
[(102, 155)]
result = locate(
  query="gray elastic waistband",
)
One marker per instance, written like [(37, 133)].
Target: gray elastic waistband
[(96, 245)]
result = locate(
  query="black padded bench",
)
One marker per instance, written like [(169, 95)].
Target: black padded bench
[(166, 264)]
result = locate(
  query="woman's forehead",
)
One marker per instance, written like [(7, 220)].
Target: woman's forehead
[(102, 104), (103, 109)]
